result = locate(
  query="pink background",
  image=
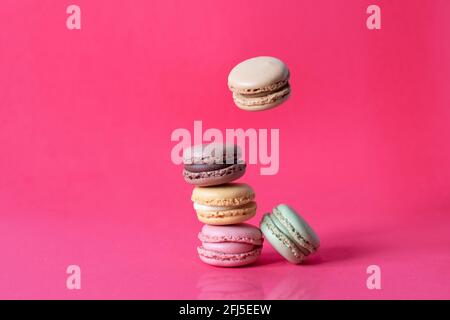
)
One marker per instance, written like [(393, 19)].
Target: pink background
[(86, 117)]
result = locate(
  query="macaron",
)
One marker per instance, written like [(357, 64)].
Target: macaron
[(259, 83), (289, 234), (225, 204), (212, 164), (230, 246)]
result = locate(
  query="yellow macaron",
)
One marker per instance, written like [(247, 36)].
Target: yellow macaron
[(224, 204)]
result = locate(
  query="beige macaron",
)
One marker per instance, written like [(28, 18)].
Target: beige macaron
[(224, 204), (259, 83)]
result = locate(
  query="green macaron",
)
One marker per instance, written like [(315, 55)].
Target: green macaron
[(289, 234)]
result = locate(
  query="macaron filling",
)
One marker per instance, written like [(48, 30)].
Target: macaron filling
[(218, 217), (269, 88), (226, 202), (196, 168), (254, 240), (229, 247), (236, 257), (227, 170), (262, 98), (206, 208)]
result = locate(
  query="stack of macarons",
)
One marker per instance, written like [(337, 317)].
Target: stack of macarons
[(222, 205), (257, 84)]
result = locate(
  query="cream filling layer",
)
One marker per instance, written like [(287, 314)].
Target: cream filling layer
[(205, 208)]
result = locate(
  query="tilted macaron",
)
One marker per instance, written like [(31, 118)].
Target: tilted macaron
[(259, 83), (225, 204), (230, 246), (212, 164), (289, 234)]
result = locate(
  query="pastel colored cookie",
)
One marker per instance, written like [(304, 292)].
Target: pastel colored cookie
[(212, 164), (259, 83), (231, 245), (289, 234), (225, 204)]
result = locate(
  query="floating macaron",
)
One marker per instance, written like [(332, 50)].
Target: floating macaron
[(259, 83), (289, 234), (212, 164), (225, 204), (230, 246)]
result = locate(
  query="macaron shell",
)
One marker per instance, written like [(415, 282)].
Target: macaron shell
[(211, 153), (303, 246), (243, 233), (218, 259), (256, 73), (216, 177), (304, 230), (282, 244), (231, 194), (228, 217)]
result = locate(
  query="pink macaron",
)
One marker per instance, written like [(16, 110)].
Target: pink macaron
[(230, 245)]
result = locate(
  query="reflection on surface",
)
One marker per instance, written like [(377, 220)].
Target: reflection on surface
[(239, 284), (292, 288), (228, 285)]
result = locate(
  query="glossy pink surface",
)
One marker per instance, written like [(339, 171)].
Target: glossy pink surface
[(86, 118)]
